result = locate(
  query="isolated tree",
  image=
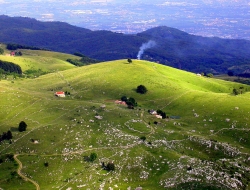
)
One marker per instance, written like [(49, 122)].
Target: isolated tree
[(129, 60), (46, 164), (110, 166), (92, 157), (1, 51), (141, 89), (8, 135), (22, 126), (235, 91)]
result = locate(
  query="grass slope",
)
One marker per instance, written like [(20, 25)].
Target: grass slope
[(207, 148), (44, 60)]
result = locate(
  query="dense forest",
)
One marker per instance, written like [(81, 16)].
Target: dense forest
[(18, 46), (8, 67)]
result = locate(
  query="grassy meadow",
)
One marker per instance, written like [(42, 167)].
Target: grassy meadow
[(202, 144), (46, 61)]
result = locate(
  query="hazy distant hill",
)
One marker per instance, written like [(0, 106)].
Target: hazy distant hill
[(196, 53), (172, 47)]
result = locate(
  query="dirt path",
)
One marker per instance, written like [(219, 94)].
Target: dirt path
[(23, 176), (176, 98)]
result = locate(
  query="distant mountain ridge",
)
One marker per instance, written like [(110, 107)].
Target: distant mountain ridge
[(172, 47)]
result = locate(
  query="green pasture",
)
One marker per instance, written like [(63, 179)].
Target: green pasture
[(44, 60), (207, 127)]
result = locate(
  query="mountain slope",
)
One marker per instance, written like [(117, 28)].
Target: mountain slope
[(196, 53), (63, 37), (205, 135), (173, 47)]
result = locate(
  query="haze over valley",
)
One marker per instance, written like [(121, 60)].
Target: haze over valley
[(226, 19)]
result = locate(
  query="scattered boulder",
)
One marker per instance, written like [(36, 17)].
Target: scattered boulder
[(98, 117), (196, 115)]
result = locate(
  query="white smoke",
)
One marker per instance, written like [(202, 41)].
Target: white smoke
[(145, 46)]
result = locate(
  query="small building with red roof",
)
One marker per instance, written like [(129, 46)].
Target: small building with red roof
[(60, 94)]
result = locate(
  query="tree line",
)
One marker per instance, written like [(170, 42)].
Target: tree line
[(83, 61), (18, 46), (8, 67)]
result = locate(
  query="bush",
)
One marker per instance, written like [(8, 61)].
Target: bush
[(6, 136), (210, 75), (131, 102), (92, 157), (22, 126), (235, 92), (129, 60), (141, 89), (110, 166), (124, 98), (163, 114)]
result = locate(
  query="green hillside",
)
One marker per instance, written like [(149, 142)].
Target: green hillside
[(46, 61), (202, 144)]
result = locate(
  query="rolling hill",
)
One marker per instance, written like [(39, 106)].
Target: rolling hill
[(202, 144), (173, 47), (37, 62)]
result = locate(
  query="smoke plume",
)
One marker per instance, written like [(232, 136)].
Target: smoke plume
[(145, 46)]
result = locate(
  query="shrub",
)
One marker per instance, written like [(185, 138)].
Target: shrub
[(163, 114), (131, 102), (22, 126), (235, 91), (210, 75), (141, 89), (92, 157), (129, 60), (110, 166), (124, 98)]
